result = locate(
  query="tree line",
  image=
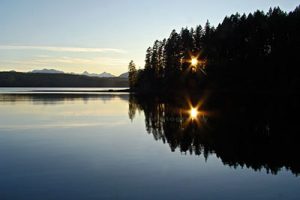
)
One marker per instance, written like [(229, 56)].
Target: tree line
[(18, 79), (254, 52)]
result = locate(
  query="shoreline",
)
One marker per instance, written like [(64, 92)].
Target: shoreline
[(84, 91)]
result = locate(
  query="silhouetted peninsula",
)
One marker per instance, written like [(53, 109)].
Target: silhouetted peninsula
[(255, 52)]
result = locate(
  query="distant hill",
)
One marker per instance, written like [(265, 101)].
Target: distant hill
[(102, 75), (47, 71), (124, 75), (18, 79), (105, 74), (85, 73)]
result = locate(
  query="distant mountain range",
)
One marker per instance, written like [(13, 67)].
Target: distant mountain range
[(124, 75), (47, 71), (102, 75), (85, 73)]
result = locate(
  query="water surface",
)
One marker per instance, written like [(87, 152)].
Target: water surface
[(113, 146)]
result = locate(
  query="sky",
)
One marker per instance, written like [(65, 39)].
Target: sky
[(102, 35)]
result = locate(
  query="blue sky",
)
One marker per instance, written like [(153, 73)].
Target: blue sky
[(102, 35)]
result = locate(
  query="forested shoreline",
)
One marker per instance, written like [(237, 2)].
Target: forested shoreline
[(18, 79), (254, 52)]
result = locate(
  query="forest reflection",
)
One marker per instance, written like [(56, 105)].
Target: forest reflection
[(254, 131), (56, 98)]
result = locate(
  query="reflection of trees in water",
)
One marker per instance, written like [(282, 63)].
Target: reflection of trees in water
[(56, 98), (253, 131)]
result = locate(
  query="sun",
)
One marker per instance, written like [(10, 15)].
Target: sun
[(194, 62), (193, 113)]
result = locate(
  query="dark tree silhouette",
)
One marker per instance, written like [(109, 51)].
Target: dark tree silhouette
[(255, 52), (132, 76), (19, 79)]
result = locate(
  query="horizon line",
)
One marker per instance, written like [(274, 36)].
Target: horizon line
[(63, 72)]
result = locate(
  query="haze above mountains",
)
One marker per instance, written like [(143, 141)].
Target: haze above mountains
[(85, 73)]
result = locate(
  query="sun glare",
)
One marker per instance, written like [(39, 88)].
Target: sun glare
[(193, 113)]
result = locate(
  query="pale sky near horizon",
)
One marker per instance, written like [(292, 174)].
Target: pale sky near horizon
[(102, 35)]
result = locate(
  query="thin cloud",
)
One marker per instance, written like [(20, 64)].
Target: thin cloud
[(82, 61), (75, 61), (62, 49)]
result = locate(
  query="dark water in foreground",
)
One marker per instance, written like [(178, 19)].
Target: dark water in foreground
[(113, 146)]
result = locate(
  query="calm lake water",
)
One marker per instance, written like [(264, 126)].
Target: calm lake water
[(115, 146)]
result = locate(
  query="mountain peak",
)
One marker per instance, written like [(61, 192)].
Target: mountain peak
[(124, 75), (102, 75), (47, 71), (85, 73)]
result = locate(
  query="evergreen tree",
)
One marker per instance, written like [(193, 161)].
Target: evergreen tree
[(132, 77), (148, 59), (244, 52), (197, 38)]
